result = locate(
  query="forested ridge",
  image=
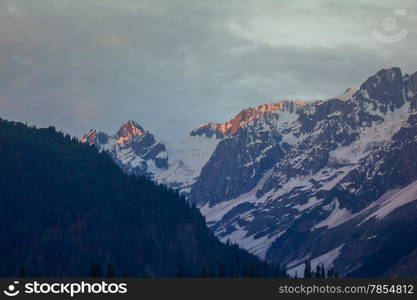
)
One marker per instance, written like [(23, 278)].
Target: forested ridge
[(67, 210)]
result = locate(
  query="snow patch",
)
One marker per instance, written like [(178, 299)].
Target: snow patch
[(337, 216), (390, 201), (310, 203), (372, 136), (258, 246), (217, 212), (326, 259), (186, 158)]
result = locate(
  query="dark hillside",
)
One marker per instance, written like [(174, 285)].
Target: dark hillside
[(66, 210)]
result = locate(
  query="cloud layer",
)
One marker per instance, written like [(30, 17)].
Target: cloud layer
[(173, 64)]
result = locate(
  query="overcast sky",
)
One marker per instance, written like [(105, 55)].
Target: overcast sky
[(174, 64)]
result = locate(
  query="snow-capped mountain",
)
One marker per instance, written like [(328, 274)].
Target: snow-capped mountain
[(333, 180), (137, 152), (308, 180)]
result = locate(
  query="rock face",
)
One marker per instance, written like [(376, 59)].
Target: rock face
[(252, 142), (333, 180), (318, 180)]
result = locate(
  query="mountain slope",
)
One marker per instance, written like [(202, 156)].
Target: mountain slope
[(133, 149), (137, 152), (331, 163), (66, 209)]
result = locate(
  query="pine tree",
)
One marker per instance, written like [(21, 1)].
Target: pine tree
[(180, 273), (265, 269), (221, 270), (318, 271), (110, 271), (307, 269), (323, 271), (330, 272), (95, 270), (203, 272), (22, 272)]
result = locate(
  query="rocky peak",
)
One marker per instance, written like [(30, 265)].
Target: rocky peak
[(246, 116), (128, 131), (386, 87), (209, 130), (133, 148), (383, 76), (90, 137)]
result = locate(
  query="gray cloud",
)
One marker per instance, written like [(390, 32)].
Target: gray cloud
[(173, 64)]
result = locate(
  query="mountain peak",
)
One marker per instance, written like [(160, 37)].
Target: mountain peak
[(247, 115), (89, 137), (383, 76), (386, 87), (128, 131)]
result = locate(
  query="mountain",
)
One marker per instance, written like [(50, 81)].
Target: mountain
[(68, 210), (137, 152), (332, 181)]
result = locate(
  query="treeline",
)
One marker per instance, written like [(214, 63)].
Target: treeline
[(319, 272), (221, 270)]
